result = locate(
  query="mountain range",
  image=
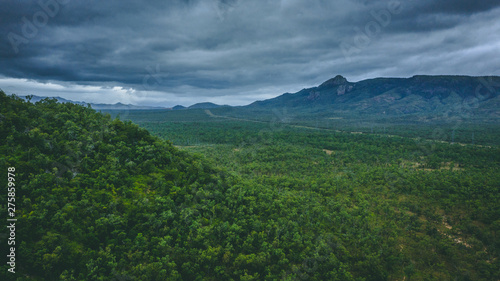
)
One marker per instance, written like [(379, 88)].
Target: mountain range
[(396, 96), (421, 94), (96, 106), (121, 106)]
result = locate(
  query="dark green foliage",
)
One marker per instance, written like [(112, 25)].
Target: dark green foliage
[(102, 199), (387, 200)]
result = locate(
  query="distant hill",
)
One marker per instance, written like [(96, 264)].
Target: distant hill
[(98, 106), (395, 96), (205, 105), (178, 107)]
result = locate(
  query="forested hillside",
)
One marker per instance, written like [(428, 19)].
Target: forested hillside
[(99, 199), (102, 199)]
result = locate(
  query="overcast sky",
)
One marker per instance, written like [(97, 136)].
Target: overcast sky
[(234, 52)]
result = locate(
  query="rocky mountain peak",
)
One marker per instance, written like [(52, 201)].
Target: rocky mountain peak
[(336, 81)]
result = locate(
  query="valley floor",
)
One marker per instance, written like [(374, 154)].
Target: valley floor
[(374, 206)]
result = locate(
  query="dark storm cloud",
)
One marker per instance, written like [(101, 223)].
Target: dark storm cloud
[(465, 7), (240, 51)]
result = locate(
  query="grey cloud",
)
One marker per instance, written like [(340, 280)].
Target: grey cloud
[(232, 47)]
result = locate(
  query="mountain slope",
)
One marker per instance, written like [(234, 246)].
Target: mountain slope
[(394, 96), (99, 199)]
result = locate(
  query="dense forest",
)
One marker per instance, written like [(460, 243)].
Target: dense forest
[(189, 195), (454, 127)]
